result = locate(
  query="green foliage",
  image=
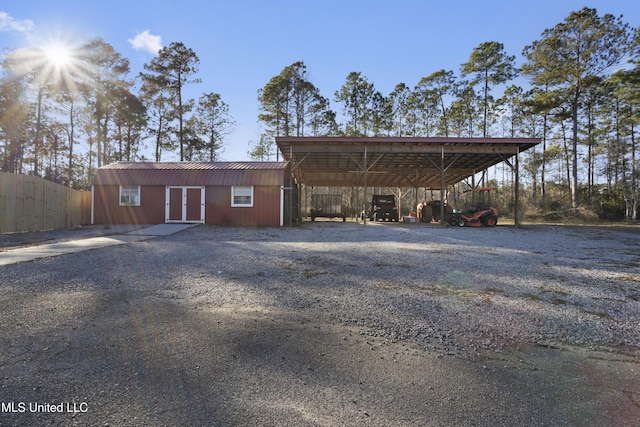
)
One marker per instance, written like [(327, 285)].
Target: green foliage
[(290, 101), (610, 205), (211, 123), (356, 96), (171, 70), (571, 56), (434, 90), (263, 150), (490, 66)]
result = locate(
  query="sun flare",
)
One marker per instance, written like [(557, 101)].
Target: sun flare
[(58, 62), (58, 54)]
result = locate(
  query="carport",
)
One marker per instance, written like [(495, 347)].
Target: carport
[(429, 162)]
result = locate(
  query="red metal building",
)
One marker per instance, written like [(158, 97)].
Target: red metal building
[(215, 193)]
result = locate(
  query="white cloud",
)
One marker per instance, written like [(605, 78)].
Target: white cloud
[(146, 41), (8, 23)]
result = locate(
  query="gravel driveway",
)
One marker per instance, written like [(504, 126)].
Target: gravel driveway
[(329, 323)]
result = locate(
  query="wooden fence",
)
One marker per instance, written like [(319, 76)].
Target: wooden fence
[(30, 203)]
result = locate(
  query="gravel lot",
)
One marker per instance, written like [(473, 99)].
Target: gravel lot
[(330, 323)]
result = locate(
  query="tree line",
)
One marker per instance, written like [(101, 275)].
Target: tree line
[(581, 96), (581, 83), (51, 105)]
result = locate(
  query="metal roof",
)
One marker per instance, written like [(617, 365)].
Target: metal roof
[(195, 165), (191, 173), (394, 161)]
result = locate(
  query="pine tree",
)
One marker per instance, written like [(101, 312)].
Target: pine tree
[(174, 68), (570, 55), (490, 66)]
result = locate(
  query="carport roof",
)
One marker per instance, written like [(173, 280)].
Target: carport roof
[(394, 161)]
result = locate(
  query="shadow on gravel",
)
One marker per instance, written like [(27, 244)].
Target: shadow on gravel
[(221, 326), (131, 360)]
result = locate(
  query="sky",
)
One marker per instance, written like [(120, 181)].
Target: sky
[(242, 44)]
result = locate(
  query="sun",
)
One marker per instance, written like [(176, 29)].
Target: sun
[(58, 54), (61, 63), (58, 63)]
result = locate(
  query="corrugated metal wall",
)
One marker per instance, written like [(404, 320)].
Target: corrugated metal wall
[(107, 209), (266, 208), (218, 209)]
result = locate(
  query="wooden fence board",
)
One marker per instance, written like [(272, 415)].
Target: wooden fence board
[(30, 203)]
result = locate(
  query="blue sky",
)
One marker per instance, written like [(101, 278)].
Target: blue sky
[(241, 44)]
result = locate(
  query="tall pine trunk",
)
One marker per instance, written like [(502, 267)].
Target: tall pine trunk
[(574, 161)]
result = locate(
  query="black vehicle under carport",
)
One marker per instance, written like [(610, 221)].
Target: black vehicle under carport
[(383, 208), (399, 162)]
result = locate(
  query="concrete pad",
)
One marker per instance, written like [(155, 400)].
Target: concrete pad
[(29, 253)]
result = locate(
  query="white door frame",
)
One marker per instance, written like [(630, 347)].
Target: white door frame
[(184, 205)]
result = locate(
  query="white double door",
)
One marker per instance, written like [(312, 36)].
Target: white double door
[(185, 204)]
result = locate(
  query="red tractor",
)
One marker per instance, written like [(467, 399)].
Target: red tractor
[(482, 215)]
